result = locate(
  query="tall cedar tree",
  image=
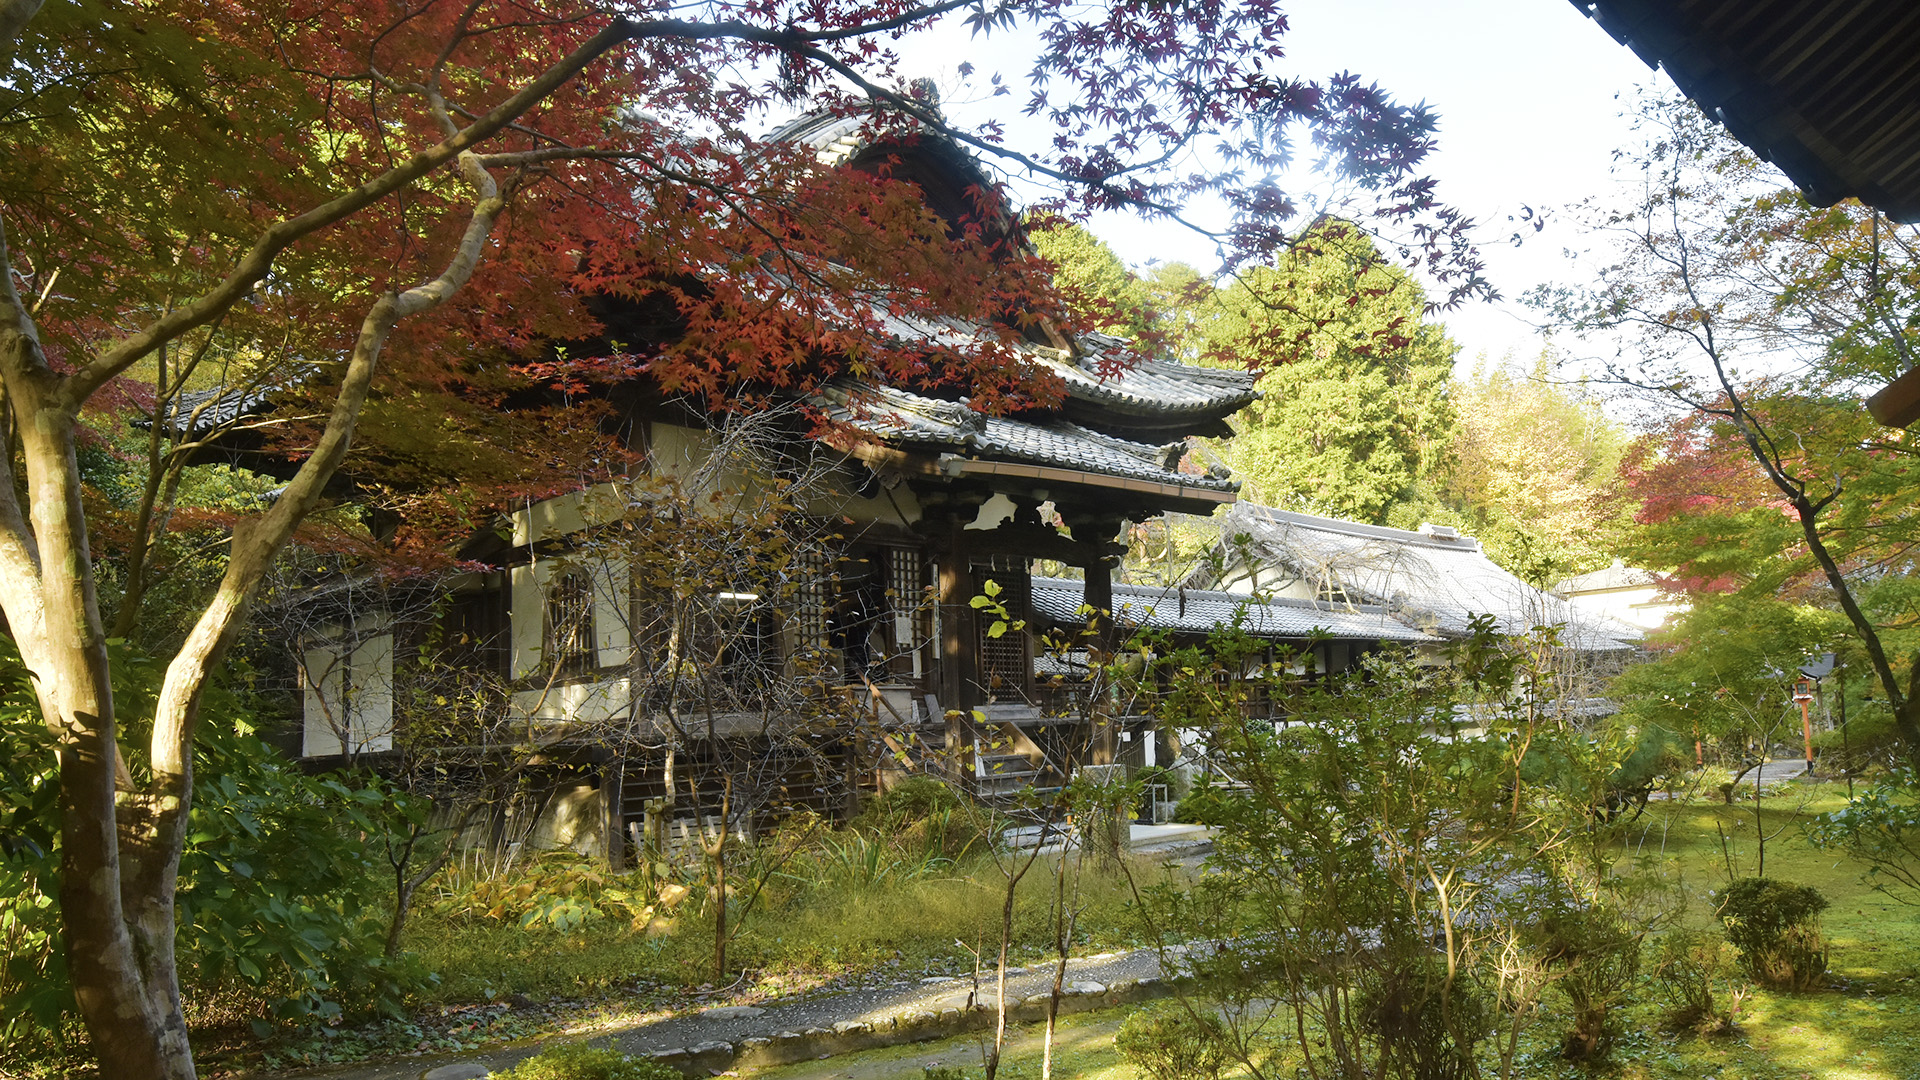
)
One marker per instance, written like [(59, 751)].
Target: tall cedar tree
[(399, 202), (1356, 415)]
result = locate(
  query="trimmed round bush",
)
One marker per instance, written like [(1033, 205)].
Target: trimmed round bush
[(1168, 1042), (1775, 925)]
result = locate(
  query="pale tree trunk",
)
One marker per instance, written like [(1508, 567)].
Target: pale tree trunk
[(120, 862), (121, 844)]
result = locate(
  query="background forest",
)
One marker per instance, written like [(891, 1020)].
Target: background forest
[(1368, 413)]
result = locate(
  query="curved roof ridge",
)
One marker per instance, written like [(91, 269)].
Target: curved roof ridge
[(1152, 386), (1201, 611), (902, 416), (1340, 526), (1165, 455)]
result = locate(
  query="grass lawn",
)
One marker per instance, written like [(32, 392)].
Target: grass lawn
[(1875, 938), (1865, 1026), (795, 939)]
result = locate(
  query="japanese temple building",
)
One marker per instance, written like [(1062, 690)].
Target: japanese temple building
[(932, 504)]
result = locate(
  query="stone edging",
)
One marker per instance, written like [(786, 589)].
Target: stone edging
[(919, 1025)]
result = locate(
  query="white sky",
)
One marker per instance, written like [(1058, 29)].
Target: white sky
[(1528, 92)]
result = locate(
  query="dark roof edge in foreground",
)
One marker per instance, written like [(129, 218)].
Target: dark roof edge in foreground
[(1752, 108)]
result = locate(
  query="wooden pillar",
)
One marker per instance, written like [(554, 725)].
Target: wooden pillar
[(614, 825), (852, 765), (956, 624), (1103, 739)]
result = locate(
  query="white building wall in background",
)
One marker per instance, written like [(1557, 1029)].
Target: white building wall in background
[(347, 689)]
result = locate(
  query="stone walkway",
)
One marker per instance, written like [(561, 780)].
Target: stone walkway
[(707, 1041)]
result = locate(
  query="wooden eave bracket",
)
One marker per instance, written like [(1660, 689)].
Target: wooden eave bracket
[(1898, 403)]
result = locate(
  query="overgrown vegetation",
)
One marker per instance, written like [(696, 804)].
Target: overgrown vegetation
[(1424, 905), (280, 905), (1174, 1042), (1776, 928)]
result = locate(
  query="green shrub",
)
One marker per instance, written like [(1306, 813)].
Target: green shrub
[(578, 1061), (1776, 928), (1423, 1023), (924, 819), (913, 799), (1880, 827), (1171, 1042), (1595, 948), (1871, 738), (279, 899), (1207, 804), (1688, 965)]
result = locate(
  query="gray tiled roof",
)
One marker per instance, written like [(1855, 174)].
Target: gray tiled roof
[(1199, 611), (1149, 386), (901, 417), (1437, 582), (835, 139), (207, 411), (1129, 385), (1617, 576)]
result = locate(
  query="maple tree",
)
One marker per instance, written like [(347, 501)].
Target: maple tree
[(1756, 321), (380, 215)]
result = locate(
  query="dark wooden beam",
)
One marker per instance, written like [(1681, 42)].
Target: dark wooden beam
[(1898, 403)]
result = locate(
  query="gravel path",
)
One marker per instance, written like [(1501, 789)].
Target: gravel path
[(815, 1014), (832, 1020)]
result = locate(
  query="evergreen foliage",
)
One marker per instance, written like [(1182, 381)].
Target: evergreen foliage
[(278, 893), (1776, 927)]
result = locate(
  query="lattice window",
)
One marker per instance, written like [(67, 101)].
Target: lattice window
[(567, 635), (812, 598), (908, 620), (904, 597), (747, 644), (1005, 663)]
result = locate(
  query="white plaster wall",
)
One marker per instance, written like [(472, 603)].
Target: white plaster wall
[(579, 702), (613, 636), (612, 613), (527, 614), (1243, 580), (563, 515), (1644, 607), (673, 450), (348, 692), (324, 679)]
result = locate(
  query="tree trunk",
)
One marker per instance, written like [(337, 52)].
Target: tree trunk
[(119, 934), (120, 855)]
